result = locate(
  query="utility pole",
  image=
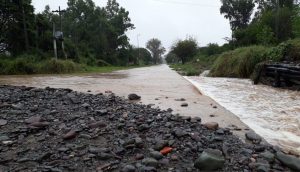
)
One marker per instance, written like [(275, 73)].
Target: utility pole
[(59, 11), (54, 41)]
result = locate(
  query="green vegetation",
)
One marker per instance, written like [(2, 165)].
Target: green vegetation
[(92, 37), (272, 35), (27, 64), (195, 67), (239, 63), (242, 62)]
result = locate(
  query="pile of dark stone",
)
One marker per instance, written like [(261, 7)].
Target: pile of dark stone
[(62, 130)]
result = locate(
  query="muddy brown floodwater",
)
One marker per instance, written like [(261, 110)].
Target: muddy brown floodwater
[(273, 113)]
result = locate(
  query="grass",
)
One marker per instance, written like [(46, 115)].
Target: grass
[(27, 64), (194, 68), (239, 63), (247, 61)]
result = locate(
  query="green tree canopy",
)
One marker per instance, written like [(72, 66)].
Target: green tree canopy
[(185, 49), (238, 12)]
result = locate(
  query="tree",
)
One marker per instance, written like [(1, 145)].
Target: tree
[(156, 48), (238, 12), (171, 58), (185, 49), (16, 25), (142, 56)]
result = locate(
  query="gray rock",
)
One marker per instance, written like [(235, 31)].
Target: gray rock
[(143, 127), (3, 138), (102, 112), (181, 99), (138, 142), (150, 162), (160, 144), (184, 105), (128, 168), (3, 122), (134, 97), (104, 156), (156, 155), (289, 161), (253, 137), (210, 159), (268, 156)]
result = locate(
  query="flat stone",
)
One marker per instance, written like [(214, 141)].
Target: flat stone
[(268, 156), (4, 138), (70, 135), (128, 168), (33, 119), (99, 124), (252, 136), (184, 105), (150, 162), (211, 125), (156, 155), (3, 122), (210, 159), (289, 161), (39, 124)]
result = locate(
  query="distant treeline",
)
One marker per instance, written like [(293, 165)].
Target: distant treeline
[(92, 35)]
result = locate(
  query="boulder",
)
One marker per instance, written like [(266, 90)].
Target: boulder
[(210, 159)]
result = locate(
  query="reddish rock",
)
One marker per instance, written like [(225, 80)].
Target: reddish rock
[(70, 135), (33, 119), (98, 124), (211, 125), (166, 150), (39, 124)]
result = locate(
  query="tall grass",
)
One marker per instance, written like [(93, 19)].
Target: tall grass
[(239, 63), (242, 62), (32, 65)]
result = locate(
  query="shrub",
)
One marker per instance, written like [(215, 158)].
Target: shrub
[(58, 66), (239, 63)]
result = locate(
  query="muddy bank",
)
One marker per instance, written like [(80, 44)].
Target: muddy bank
[(62, 130)]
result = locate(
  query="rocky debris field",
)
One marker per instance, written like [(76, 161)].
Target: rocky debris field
[(62, 130)]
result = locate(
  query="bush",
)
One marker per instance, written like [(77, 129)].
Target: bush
[(58, 66), (293, 53), (239, 63)]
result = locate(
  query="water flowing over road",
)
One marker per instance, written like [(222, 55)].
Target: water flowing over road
[(273, 113)]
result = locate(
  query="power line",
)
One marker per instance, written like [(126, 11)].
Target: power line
[(185, 3)]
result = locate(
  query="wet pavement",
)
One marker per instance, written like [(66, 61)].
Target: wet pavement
[(158, 85), (273, 113)]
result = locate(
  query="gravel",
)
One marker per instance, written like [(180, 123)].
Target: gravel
[(62, 130)]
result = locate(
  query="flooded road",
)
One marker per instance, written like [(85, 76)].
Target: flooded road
[(273, 113), (158, 85)]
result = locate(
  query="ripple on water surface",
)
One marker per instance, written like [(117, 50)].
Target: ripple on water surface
[(273, 113)]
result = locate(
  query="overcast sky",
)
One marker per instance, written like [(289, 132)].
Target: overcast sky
[(167, 20)]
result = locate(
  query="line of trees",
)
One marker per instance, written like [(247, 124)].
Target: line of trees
[(274, 21), (92, 34), (253, 22)]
